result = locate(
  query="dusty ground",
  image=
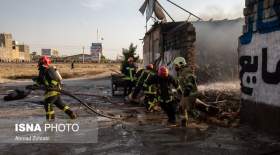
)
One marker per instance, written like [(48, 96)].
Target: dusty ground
[(13, 71), (143, 133)]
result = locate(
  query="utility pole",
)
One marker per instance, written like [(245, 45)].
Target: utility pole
[(83, 54), (97, 36)]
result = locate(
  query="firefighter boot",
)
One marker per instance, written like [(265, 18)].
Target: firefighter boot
[(184, 119), (69, 112)]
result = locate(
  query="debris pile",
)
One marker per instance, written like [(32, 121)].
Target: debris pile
[(220, 107)]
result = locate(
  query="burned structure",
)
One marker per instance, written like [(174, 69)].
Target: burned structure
[(165, 41), (259, 65)]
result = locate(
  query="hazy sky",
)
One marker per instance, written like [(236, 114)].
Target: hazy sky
[(70, 24)]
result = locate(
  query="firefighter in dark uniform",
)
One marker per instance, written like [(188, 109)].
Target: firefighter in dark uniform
[(50, 79), (150, 92), (129, 70), (165, 82), (188, 83)]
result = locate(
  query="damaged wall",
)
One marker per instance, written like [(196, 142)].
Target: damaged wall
[(259, 64), (169, 40)]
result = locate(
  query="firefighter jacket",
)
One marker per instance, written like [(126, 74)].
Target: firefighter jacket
[(187, 80), (142, 77), (49, 81), (164, 87), (129, 70)]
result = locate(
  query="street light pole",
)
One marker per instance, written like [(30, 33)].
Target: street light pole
[(83, 54)]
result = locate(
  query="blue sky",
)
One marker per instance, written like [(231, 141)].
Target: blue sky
[(68, 25)]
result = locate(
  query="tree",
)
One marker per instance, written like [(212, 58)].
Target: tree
[(127, 53), (130, 52), (103, 59)]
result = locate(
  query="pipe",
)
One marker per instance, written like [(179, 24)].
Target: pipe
[(185, 10)]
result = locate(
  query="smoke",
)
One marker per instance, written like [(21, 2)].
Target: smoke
[(219, 13), (96, 4), (216, 45)]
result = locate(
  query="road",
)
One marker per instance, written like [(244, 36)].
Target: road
[(143, 133)]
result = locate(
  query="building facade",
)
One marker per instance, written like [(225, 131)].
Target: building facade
[(259, 65), (11, 51)]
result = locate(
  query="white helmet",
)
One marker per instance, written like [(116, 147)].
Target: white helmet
[(180, 62)]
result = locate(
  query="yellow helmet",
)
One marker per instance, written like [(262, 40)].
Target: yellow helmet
[(180, 62)]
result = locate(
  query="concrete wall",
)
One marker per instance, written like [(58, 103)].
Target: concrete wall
[(259, 65), (151, 49)]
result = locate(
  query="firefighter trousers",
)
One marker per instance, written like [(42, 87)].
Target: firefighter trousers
[(128, 87), (150, 101), (186, 104), (170, 109), (56, 100)]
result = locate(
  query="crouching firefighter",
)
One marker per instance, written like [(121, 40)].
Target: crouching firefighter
[(129, 71), (50, 79), (165, 83), (149, 90), (187, 80)]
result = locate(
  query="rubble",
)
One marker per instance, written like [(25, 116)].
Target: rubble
[(223, 107)]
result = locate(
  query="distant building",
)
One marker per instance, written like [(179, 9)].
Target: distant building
[(96, 51), (78, 58), (11, 51), (55, 53), (24, 52), (50, 52), (46, 52)]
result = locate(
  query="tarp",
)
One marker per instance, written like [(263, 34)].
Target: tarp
[(151, 6), (159, 12)]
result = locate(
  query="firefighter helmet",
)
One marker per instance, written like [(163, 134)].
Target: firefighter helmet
[(163, 72), (44, 61), (150, 66), (179, 62)]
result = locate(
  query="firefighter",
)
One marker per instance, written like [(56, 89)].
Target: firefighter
[(50, 79), (165, 83), (129, 70), (142, 77), (187, 80)]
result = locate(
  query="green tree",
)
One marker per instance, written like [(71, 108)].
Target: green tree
[(130, 52), (103, 59)]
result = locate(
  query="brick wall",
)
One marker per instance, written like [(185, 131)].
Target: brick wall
[(170, 40)]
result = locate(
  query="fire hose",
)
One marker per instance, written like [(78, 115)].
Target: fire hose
[(22, 94)]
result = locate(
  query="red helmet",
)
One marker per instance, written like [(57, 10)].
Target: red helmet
[(150, 66), (44, 61), (163, 71)]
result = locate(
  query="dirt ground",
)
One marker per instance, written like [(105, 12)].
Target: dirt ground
[(142, 132), (14, 71)]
